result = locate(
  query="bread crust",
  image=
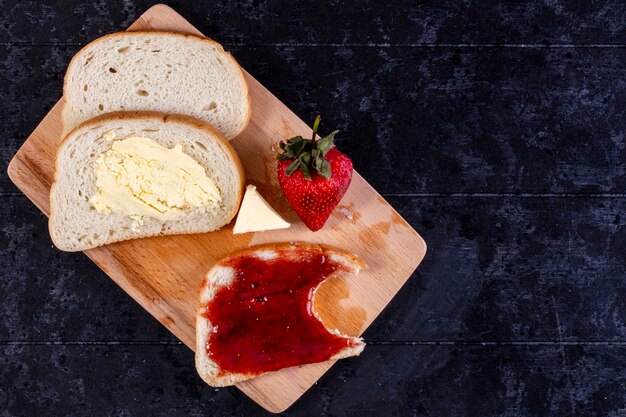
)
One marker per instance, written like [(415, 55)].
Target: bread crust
[(150, 32), (202, 359), (153, 115), (283, 246)]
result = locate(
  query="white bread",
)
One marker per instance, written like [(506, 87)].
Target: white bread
[(74, 224), (168, 72), (221, 275)]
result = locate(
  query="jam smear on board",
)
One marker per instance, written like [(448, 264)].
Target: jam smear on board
[(264, 320)]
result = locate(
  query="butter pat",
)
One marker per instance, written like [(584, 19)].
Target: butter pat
[(256, 215), (139, 177)]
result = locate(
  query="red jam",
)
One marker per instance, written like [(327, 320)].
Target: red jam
[(264, 320)]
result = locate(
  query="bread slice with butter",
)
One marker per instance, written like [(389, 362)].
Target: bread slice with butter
[(169, 72), (271, 321), (129, 175)]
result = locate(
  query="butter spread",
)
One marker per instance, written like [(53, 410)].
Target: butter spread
[(139, 177)]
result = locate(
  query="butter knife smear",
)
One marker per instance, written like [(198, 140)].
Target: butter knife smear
[(139, 177)]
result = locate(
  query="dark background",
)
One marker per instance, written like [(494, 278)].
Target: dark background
[(497, 129)]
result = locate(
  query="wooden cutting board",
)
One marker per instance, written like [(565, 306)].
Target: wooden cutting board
[(163, 274)]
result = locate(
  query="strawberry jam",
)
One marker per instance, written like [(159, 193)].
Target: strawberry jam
[(263, 319)]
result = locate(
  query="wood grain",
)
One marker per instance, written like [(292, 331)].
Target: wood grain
[(163, 274)]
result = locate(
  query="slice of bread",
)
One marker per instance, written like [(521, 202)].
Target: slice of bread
[(75, 225), (221, 275), (168, 72)]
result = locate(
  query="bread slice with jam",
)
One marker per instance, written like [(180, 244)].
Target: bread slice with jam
[(257, 312)]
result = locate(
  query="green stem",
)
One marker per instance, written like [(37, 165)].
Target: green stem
[(315, 126)]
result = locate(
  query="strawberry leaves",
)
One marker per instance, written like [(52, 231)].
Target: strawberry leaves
[(325, 143), (308, 154)]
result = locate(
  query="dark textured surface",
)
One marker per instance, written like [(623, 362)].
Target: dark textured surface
[(497, 129)]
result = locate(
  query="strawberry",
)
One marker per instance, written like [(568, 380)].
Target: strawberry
[(313, 175)]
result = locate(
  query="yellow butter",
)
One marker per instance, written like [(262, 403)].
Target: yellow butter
[(138, 177), (256, 215)]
